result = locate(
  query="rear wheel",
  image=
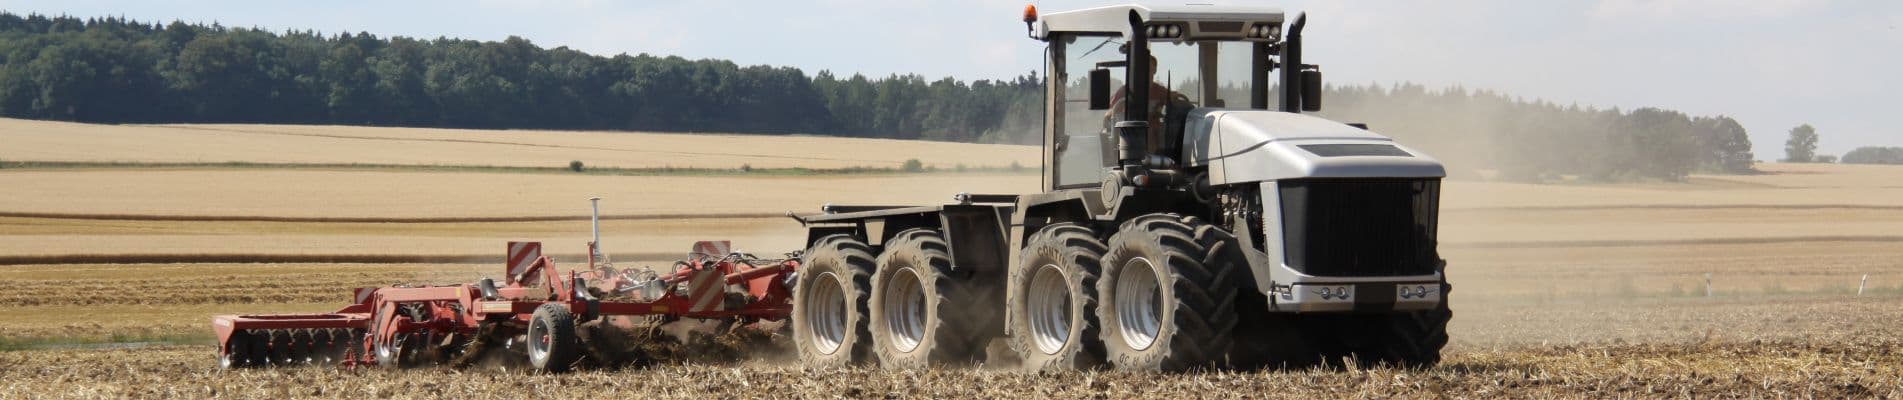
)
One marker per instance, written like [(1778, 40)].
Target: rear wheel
[(1169, 289), (923, 313), (829, 303), (1053, 300), (553, 346)]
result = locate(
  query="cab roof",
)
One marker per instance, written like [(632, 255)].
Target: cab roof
[(1116, 18)]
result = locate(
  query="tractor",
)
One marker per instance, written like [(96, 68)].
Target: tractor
[(1195, 219)]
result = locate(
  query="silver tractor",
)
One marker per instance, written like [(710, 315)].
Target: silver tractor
[(1196, 220)]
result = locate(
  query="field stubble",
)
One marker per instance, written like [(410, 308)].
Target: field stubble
[(1561, 290), (1868, 367)]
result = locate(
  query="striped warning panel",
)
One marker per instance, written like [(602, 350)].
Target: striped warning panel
[(521, 256), (706, 290), (710, 249)]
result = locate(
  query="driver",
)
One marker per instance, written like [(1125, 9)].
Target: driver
[(1159, 97)]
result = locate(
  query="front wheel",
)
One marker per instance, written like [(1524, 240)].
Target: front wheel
[(1053, 300), (1168, 290)]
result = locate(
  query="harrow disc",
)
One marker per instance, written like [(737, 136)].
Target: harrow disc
[(238, 353), (286, 347)]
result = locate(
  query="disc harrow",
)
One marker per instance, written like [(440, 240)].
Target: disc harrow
[(457, 325)]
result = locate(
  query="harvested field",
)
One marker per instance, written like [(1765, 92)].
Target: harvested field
[(58, 141), (1868, 368), (307, 193), (1563, 290)]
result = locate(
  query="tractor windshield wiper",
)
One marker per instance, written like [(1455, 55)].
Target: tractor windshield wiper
[(1100, 47)]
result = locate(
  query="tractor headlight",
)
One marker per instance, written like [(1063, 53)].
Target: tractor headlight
[(1265, 31), (1332, 293)]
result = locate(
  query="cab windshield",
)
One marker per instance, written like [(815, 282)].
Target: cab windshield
[(1225, 83), (1212, 74)]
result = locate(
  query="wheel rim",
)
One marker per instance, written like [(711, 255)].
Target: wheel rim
[(826, 312), (1048, 309), (904, 305), (539, 340), (1139, 303)]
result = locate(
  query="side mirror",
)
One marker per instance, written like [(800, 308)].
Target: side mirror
[(1311, 90), (1100, 89)]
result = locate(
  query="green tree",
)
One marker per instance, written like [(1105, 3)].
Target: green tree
[(1724, 146), (1874, 155), (1802, 146)]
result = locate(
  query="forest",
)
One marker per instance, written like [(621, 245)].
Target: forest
[(114, 70)]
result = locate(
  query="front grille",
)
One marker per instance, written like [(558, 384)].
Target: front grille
[(1360, 227)]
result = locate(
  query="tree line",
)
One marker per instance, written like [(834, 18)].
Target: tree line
[(113, 70)]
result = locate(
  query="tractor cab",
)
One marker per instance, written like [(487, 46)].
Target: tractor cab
[(1194, 59)]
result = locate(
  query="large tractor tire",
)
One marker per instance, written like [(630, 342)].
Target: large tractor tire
[(1411, 339), (553, 345), (923, 312), (1052, 300), (1270, 340), (1168, 299), (1408, 340), (830, 313)]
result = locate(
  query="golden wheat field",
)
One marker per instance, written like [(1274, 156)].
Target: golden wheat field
[(69, 142), (1783, 284)]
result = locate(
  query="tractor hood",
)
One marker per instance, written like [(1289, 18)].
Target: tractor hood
[(1257, 145)]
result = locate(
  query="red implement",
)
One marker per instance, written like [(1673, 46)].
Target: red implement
[(536, 306)]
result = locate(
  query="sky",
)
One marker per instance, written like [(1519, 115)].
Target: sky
[(1771, 64)]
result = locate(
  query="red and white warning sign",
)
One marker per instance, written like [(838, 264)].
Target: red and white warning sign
[(522, 255)]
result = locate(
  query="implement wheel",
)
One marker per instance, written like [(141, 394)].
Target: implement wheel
[(1168, 290), (923, 312), (553, 346), (1053, 300), (829, 303)]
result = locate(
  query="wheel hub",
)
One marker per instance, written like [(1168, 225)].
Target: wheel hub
[(826, 312), (1139, 306), (1048, 308), (905, 310)]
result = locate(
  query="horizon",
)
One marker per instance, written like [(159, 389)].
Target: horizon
[(1696, 48)]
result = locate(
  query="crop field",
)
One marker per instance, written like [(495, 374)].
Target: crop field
[(67, 142), (1783, 284)]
